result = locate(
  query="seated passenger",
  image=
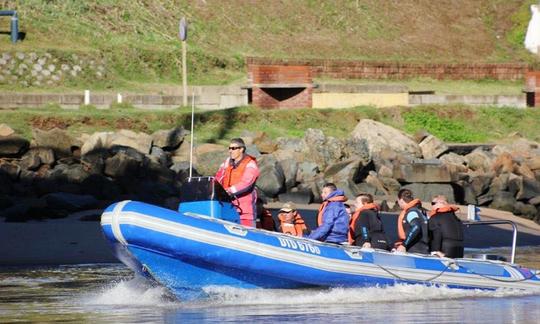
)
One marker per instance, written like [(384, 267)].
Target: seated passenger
[(412, 224), (332, 219), (290, 221), (445, 228), (264, 217), (366, 228)]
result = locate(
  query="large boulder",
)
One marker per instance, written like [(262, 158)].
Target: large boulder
[(182, 171), (122, 165), (321, 149), (344, 170), (208, 158), (379, 137), (356, 148), (479, 160), (169, 139), (13, 146), (432, 147), (5, 130), (292, 144), (427, 171), (307, 171), (290, 170), (124, 138), (503, 200), (426, 191), (264, 143), (140, 141), (272, 179), (98, 141), (12, 170), (56, 139)]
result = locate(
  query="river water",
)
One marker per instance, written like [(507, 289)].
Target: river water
[(101, 293)]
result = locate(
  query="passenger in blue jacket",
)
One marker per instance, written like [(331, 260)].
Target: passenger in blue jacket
[(332, 219)]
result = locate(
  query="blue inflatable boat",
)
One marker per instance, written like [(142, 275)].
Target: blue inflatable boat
[(202, 244)]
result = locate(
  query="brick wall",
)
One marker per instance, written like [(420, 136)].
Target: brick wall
[(344, 69), (281, 86), (532, 88)]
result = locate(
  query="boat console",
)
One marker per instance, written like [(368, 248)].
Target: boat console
[(205, 196)]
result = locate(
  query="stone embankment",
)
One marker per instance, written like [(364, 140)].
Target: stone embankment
[(55, 174)]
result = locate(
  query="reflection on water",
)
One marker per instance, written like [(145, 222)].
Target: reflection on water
[(110, 293)]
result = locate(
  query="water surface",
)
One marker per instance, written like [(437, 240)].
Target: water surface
[(101, 293)]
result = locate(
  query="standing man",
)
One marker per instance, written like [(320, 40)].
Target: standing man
[(237, 175), (445, 228), (366, 228), (412, 224), (332, 220)]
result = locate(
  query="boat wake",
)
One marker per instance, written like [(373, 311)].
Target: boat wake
[(135, 292), (138, 292)]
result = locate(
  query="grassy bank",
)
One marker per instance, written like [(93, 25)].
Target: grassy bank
[(138, 40), (459, 124)]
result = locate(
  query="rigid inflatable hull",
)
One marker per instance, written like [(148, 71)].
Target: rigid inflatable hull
[(189, 251)]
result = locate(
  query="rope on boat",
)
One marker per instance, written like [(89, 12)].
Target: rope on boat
[(468, 270), (502, 280), (429, 279)]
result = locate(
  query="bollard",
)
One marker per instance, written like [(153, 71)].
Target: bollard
[(86, 97), (119, 98), (14, 28)]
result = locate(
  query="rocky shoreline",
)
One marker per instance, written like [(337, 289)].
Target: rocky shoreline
[(56, 175)]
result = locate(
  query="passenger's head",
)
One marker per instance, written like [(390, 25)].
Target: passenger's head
[(237, 147), (288, 209), (439, 201), (405, 196), (348, 209), (327, 189), (362, 199)]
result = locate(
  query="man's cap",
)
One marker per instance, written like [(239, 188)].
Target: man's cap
[(288, 206)]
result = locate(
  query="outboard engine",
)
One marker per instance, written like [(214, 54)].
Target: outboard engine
[(205, 196)]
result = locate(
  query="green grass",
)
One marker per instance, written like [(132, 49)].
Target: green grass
[(138, 39), (458, 124)]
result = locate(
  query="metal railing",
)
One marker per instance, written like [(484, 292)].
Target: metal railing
[(14, 24), (498, 222)]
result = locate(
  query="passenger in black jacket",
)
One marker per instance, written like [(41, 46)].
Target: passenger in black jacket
[(366, 228), (446, 231)]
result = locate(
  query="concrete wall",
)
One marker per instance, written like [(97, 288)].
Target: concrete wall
[(206, 97), (352, 95), (518, 101)]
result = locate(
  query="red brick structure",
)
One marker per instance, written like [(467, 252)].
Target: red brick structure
[(344, 69), (281, 86), (532, 88)]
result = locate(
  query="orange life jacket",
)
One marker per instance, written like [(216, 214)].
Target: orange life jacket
[(323, 206), (296, 228), (401, 230), (441, 210), (234, 174), (355, 217)]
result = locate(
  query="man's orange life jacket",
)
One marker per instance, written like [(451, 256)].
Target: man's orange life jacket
[(323, 206), (233, 174), (355, 217), (296, 228), (401, 230), (441, 210)]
